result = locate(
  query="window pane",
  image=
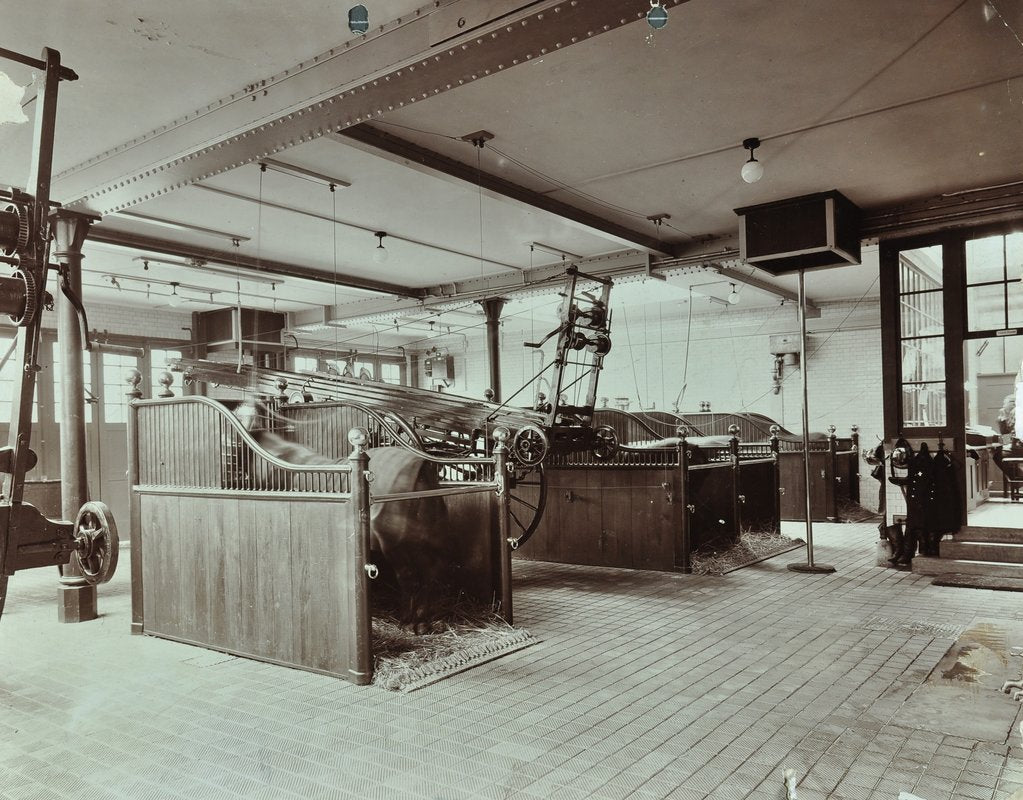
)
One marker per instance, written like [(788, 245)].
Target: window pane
[(58, 383), (923, 405), (7, 374), (305, 364), (920, 269), (985, 260), (1014, 255), (115, 387), (985, 307), (390, 373), (923, 360), (923, 314)]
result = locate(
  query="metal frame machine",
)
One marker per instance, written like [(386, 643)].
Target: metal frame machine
[(28, 539)]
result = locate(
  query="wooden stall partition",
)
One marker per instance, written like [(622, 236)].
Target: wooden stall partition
[(263, 573), (610, 518)]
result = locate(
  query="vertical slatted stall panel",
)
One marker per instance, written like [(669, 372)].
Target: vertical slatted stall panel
[(323, 427)]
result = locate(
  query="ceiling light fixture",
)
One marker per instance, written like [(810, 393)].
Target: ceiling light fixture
[(180, 226), (733, 298), (555, 251), (201, 266), (302, 172), (380, 253), (752, 170), (657, 16), (174, 299)]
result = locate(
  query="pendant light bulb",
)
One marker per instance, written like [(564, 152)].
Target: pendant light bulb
[(752, 170), (174, 299), (380, 254), (733, 298)]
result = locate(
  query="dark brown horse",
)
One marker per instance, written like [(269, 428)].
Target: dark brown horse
[(408, 537)]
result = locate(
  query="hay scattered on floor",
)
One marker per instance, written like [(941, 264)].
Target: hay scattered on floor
[(753, 546), (849, 511), (404, 661)]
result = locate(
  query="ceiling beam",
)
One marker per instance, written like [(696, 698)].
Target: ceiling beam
[(148, 244), (405, 151), (733, 273), (437, 48)]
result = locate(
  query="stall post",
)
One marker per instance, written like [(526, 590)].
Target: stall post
[(836, 479), (504, 541), (360, 642), (775, 430), (685, 563), (733, 452)]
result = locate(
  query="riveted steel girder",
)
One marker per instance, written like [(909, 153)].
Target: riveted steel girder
[(395, 65)]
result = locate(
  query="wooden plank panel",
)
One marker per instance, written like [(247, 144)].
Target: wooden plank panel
[(226, 523), (318, 612), (653, 522), (195, 560), (270, 543)]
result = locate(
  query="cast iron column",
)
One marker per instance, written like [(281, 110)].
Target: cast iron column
[(492, 308), (77, 599)]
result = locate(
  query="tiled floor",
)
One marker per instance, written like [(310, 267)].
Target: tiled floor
[(645, 685)]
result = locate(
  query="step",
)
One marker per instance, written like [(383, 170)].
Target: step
[(980, 534), (928, 565), (1010, 552)]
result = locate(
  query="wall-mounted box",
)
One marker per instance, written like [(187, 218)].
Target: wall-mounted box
[(808, 232)]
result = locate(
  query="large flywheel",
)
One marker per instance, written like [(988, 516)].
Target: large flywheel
[(527, 495), (96, 542)]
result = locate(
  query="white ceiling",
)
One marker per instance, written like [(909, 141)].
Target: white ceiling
[(887, 102)]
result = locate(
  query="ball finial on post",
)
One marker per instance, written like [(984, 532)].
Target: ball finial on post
[(488, 395), (501, 435), (166, 379), (358, 437), (133, 378)]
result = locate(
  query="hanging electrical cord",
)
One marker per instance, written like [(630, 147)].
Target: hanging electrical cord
[(333, 230), (685, 363), (628, 341)]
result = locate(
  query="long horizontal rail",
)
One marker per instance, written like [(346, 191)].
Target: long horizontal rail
[(390, 497)]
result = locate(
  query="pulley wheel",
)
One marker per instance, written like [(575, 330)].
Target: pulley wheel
[(96, 542), (529, 445), (605, 442), (600, 345)]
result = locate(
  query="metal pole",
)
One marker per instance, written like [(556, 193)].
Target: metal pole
[(77, 599), (809, 566), (492, 307)]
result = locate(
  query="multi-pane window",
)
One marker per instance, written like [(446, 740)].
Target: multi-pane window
[(922, 337), (115, 386), (58, 384), (9, 366), (390, 372), (159, 363), (305, 363), (994, 282)]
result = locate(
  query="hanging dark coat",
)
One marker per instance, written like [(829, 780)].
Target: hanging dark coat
[(945, 509), (919, 495)]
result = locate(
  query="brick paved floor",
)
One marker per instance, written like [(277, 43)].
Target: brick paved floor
[(645, 685)]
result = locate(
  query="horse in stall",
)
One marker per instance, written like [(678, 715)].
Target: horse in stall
[(407, 536)]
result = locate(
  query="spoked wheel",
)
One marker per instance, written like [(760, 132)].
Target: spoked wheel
[(529, 446), (96, 542), (527, 493), (605, 442)]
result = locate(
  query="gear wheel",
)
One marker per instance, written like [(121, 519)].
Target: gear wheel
[(31, 299), (21, 239)]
